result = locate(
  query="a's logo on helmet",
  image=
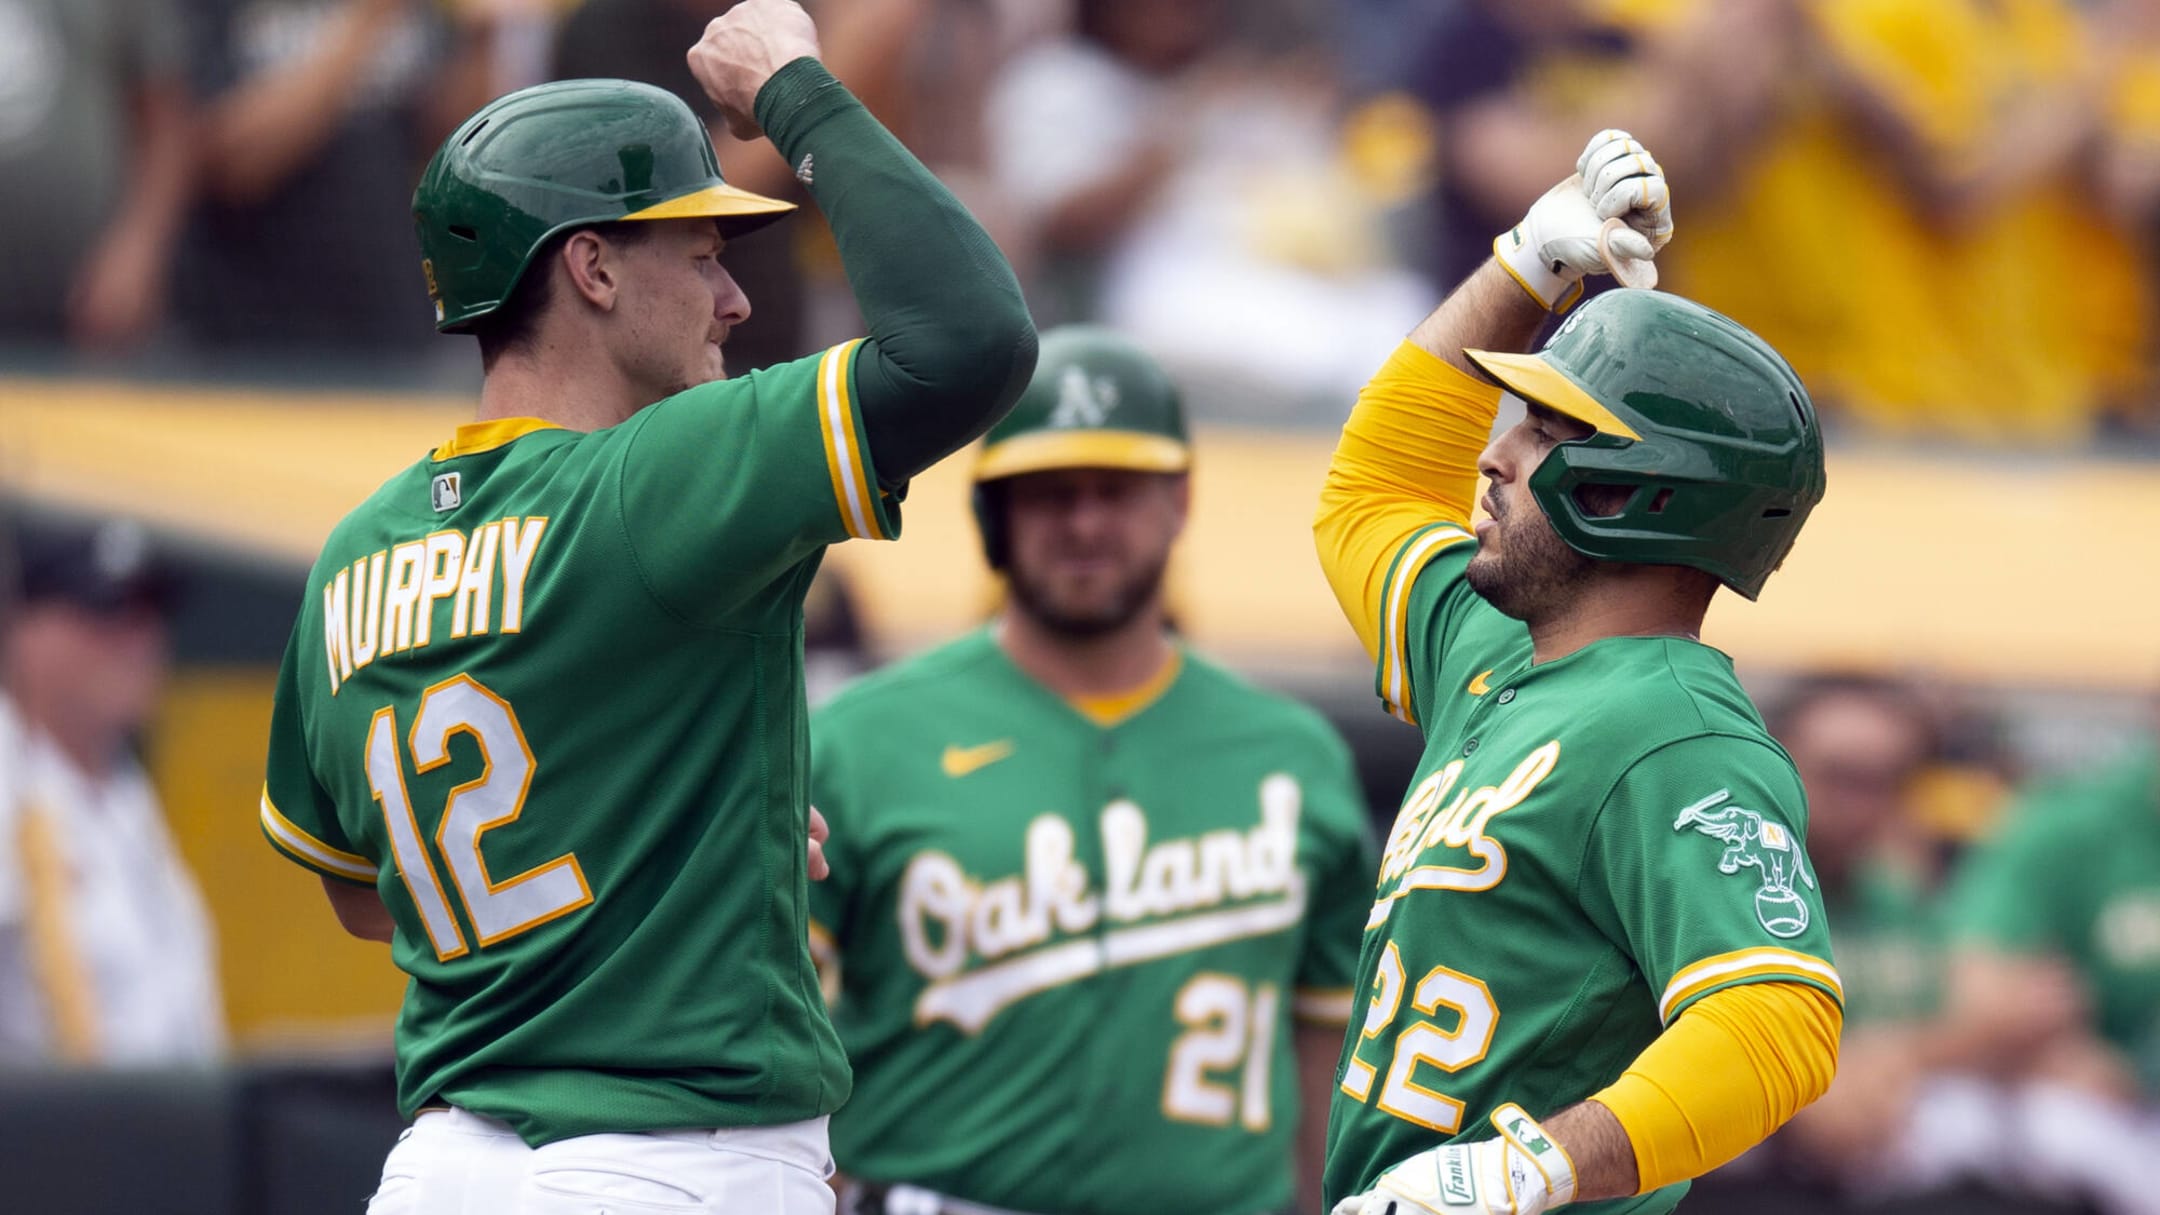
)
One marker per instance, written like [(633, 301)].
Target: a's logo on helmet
[(1083, 401)]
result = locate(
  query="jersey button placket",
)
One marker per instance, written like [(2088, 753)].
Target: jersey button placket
[(1507, 695)]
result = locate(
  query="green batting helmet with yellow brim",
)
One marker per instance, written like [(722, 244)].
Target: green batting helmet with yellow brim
[(1708, 426), (543, 161), (1096, 401)]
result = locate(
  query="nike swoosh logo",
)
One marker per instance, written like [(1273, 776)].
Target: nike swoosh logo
[(1477, 686), (959, 761)]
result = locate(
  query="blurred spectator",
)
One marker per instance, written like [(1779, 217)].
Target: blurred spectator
[(105, 947), (1515, 86), (94, 167), (319, 117), (1085, 129), (1908, 1125), (2055, 982), (1168, 183), (1861, 743), (1973, 284), (2128, 33)]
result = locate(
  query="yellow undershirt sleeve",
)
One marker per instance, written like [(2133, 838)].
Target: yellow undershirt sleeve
[(1407, 458), (1733, 1067)]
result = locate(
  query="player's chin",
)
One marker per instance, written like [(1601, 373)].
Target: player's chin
[(1489, 559), (1080, 607), (1487, 575), (1081, 602)]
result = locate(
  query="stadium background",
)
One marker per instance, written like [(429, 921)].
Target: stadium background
[(1267, 193)]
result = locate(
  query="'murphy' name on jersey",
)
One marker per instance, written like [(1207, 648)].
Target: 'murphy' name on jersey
[(385, 603), (1169, 897)]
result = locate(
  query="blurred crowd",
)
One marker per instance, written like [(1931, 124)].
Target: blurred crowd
[(1269, 191), (1998, 935)]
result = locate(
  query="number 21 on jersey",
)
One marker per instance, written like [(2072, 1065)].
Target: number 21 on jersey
[(496, 910), (1422, 1042)]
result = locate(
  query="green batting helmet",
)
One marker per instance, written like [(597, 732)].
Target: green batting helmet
[(1096, 401), (1709, 425), (554, 157)]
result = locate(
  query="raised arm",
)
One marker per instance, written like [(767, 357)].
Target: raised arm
[(951, 343), (1407, 460)]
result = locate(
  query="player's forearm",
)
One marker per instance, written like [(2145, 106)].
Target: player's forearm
[(1487, 311), (1318, 1048), (1732, 1068), (951, 344), (164, 164), (360, 911), (1599, 1148)]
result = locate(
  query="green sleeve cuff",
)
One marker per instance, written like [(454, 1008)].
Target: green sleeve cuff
[(797, 97)]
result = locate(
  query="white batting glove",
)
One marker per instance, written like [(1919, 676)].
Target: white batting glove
[(1556, 244), (1520, 1171)]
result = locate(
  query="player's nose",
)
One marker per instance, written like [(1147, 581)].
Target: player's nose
[(730, 305), (1489, 461)]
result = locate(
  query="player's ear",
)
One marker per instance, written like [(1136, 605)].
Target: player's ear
[(1181, 498), (591, 265)]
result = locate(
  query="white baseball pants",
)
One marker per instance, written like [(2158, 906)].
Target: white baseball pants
[(452, 1162)]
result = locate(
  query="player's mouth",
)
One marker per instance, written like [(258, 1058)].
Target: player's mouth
[(1085, 566)]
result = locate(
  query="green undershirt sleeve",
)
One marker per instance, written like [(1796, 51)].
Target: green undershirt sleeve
[(950, 341)]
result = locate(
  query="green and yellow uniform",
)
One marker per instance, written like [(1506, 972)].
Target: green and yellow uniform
[(545, 692), (555, 718), (2076, 874), (1591, 845), (1072, 938)]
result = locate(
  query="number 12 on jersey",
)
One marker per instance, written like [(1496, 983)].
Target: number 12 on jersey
[(496, 910), (1422, 1041)]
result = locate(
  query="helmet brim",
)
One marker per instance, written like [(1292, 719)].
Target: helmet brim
[(1530, 377), (741, 210), (1043, 450)]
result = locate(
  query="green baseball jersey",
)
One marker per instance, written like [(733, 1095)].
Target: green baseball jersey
[(1071, 947), (545, 695), (2076, 873), (1588, 846), (1891, 946)]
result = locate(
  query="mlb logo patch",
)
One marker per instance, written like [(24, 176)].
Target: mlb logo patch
[(443, 493)]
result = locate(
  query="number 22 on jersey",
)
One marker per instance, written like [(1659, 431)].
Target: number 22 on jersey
[(1422, 1041), (496, 910)]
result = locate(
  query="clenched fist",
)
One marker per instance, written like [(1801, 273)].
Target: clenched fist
[(741, 50), (1611, 216)]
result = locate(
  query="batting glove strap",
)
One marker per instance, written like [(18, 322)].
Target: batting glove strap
[(1552, 282), (1521, 1171)]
